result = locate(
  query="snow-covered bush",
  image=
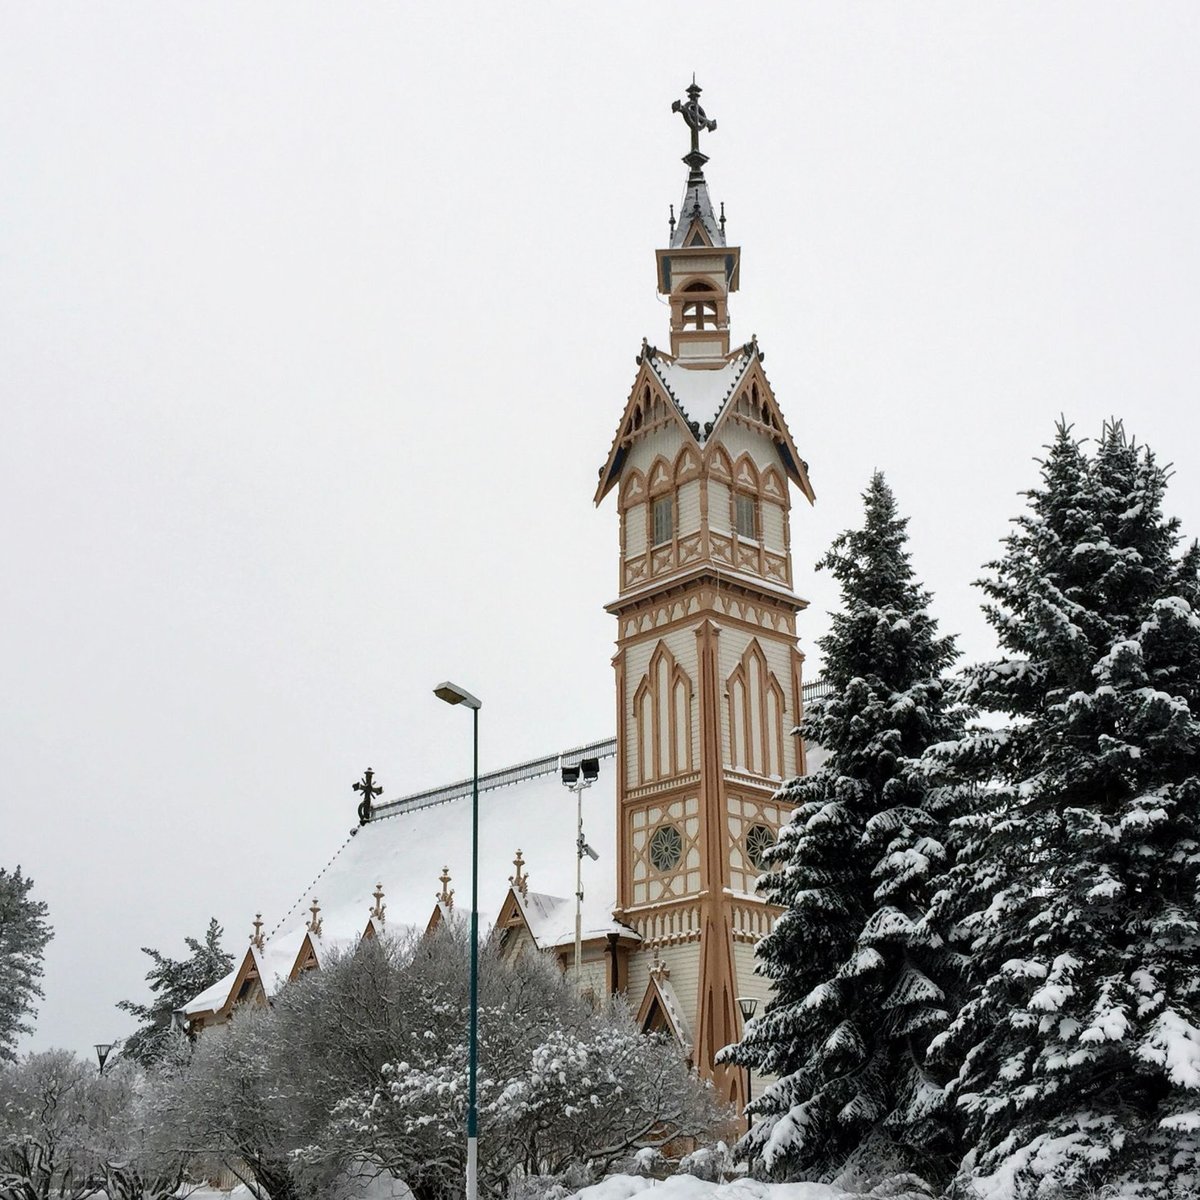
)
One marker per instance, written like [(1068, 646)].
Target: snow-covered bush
[(560, 1082), (649, 1160), (361, 1068), (226, 1104), (552, 1187), (65, 1131), (710, 1163)]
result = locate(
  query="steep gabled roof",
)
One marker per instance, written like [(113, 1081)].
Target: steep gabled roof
[(660, 999), (772, 423), (702, 391), (524, 806), (710, 393), (611, 471), (698, 224)]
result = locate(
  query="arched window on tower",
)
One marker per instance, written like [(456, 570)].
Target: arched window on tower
[(662, 712), (699, 307), (756, 703)]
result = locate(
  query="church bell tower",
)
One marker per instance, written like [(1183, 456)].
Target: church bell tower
[(708, 674)]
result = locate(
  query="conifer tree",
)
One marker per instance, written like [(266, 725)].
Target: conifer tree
[(174, 982), (1078, 1055), (23, 937), (860, 983)]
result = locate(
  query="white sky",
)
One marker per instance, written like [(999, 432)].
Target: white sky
[(316, 322)]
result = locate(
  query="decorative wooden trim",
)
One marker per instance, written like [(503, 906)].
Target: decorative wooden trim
[(647, 410), (661, 669)]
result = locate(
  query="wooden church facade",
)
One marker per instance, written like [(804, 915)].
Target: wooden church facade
[(709, 690)]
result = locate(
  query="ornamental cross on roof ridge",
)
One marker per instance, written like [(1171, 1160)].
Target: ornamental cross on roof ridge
[(696, 120), (369, 790)]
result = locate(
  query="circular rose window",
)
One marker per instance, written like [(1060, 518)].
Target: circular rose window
[(759, 839), (666, 848)]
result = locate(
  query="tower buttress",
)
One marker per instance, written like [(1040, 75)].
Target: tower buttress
[(707, 668)]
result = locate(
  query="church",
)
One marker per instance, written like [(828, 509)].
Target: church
[(640, 874)]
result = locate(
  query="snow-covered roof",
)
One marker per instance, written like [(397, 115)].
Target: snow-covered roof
[(551, 919), (672, 1007), (407, 841), (700, 392), (214, 997)]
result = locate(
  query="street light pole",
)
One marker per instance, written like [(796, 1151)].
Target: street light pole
[(453, 694), (748, 1005), (578, 779)]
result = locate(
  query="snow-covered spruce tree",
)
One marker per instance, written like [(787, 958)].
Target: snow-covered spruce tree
[(23, 937), (1078, 1056), (860, 983), (174, 982)]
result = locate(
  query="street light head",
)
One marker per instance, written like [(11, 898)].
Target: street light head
[(590, 768), (453, 694), (570, 776), (103, 1049), (748, 1005)]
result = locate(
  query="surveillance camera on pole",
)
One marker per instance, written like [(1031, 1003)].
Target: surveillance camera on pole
[(578, 777)]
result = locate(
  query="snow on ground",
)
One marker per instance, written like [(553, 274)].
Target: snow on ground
[(684, 1187), (623, 1187)]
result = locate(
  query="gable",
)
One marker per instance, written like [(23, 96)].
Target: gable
[(307, 959), (649, 410), (660, 1011), (753, 410)]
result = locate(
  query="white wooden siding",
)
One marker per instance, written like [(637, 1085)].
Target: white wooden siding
[(772, 526), (718, 505), (635, 531), (737, 439), (666, 442), (689, 507)]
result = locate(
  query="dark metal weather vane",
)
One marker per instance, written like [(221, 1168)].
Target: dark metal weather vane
[(367, 786), (696, 120)]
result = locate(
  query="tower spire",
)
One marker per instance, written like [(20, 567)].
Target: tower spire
[(697, 208)]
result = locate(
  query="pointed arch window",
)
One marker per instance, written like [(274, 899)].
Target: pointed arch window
[(662, 712), (755, 715), (746, 520), (664, 520)]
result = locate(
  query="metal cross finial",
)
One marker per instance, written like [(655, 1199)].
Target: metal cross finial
[(446, 895), (380, 908), (520, 881), (314, 926), (369, 790), (696, 120), (256, 938)]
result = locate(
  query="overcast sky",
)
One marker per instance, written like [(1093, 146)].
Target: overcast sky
[(316, 322)]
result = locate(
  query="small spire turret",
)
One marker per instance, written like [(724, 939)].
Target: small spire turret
[(520, 880), (696, 209), (698, 269), (256, 938), (446, 895), (380, 908), (314, 925)]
